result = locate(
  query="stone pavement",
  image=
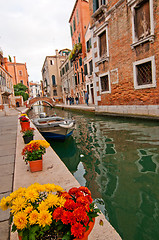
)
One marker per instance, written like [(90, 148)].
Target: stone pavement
[(8, 137)]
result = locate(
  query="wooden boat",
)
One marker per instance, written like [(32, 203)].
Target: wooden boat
[(54, 126)]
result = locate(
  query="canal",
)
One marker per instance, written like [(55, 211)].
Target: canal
[(118, 160)]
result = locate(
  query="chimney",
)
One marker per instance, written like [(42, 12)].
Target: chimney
[(14, 60), (57, 52)]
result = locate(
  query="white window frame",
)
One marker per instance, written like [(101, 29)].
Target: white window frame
[(136, 42), (100, 88), (98, 32), (152, 60)]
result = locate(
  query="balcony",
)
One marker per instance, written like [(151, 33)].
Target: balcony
[(5, 90)]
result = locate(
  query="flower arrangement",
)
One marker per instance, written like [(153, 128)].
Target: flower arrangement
[(34, 150), (28, 132), (45, 211), (23, 119)]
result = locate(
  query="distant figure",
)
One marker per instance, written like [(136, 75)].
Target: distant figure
[(70, 99), (67, 100), (73, 100), (76, 98), (86, 98)]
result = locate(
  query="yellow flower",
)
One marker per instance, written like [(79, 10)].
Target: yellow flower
[(52, 200), (44, 218), (31, 194), (18, 204), (61, 201), (58, 188), (43, 206), (20, 220), (33, 217), (28, 209), (4, 204), (50, 187)]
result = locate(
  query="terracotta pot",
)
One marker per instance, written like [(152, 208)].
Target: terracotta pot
[(85, 237), (27, 139), (36, 166), (25, 125)]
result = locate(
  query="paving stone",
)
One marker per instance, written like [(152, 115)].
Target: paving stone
[(4, 215), (6, 169), (7, 159), (6, 183), (7, 152), (4, 230)]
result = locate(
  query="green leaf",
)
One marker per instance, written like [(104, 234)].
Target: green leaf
[(14, 228)]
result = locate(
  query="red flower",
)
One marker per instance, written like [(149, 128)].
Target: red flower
[(57, 214), (70, 204), (65, 195), (78, 230), (68, 217), (80, 214), (85, 190), (73, 191)]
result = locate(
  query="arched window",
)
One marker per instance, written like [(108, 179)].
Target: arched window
[(53, 80)]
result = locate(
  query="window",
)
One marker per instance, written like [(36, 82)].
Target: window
[(80, 61), (142, 21), (79, 38), (85, 70), (97, 4), (104, 83), (77, 17), (102, 44), (75, 79), (20, 73), (74, 24), (82, 74), (90, 67), (71, 30), (21, 81), (144, 73), (53, 80), (54, 92), (51, 62), (88, 45)]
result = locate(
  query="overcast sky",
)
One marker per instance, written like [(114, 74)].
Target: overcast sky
[(33, 29)]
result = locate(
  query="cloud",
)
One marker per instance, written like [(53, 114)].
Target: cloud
[(31, 30)]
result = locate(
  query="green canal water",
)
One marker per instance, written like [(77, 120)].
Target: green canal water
[(118, 160)]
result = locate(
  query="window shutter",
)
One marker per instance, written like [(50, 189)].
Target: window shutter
[(103, 49)]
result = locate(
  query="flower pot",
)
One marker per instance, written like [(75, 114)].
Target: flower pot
[(85, 237), (36, 166), (25, 125), (27, 139)]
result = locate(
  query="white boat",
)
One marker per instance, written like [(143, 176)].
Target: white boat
[(54, 126)]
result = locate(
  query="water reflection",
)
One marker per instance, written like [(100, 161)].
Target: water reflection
[(117, 159)]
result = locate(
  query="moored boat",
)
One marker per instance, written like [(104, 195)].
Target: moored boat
[(54, 126)]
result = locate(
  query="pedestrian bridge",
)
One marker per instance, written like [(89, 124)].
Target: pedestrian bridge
[(47, 100)]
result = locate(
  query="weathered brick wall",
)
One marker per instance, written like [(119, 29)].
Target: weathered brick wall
[(122, 56)]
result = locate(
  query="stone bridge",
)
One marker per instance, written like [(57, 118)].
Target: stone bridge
[(47, 100)]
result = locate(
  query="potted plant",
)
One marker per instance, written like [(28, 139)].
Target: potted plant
[(42, 212), (33, 153), (24, 121), (28, 135)]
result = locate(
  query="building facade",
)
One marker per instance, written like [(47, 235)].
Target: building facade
[(18, 71), (88, 66), (67, 80), (79, 21), (51, 80), (125, 45), (6, 85), (35, 89)]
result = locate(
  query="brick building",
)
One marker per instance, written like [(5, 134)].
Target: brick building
[(125, 43), (18, 72), (79, 21)]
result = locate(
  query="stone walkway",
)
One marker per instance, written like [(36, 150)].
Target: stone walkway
[(8, 137)]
